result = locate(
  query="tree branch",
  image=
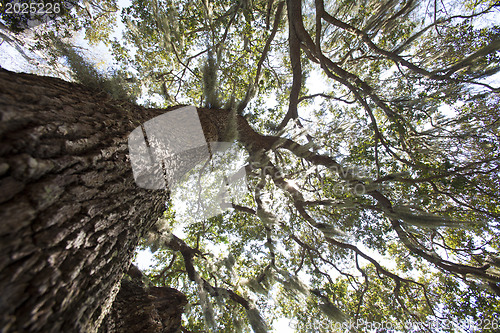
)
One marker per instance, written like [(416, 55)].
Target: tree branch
[(252, 87), (294, 9)]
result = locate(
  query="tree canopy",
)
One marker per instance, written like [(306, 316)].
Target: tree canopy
[(379, 201)]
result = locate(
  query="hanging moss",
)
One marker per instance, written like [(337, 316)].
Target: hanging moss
[(86, 74), (266, 217), (210, 82), (256, 321), (329, 230), (423, 219), (332, 312), (206, 305)]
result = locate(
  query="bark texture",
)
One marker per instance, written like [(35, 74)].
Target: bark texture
[(146, 310), (70, 212)]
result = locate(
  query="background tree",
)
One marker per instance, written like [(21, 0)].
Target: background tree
[(378, 203)]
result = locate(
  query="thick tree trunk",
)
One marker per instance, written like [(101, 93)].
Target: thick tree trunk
[(70, 212)]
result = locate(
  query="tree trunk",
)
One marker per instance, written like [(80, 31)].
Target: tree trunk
[(71, 214), (145, 310)]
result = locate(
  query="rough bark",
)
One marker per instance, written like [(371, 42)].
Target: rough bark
[(70, 212), (138, 308)]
